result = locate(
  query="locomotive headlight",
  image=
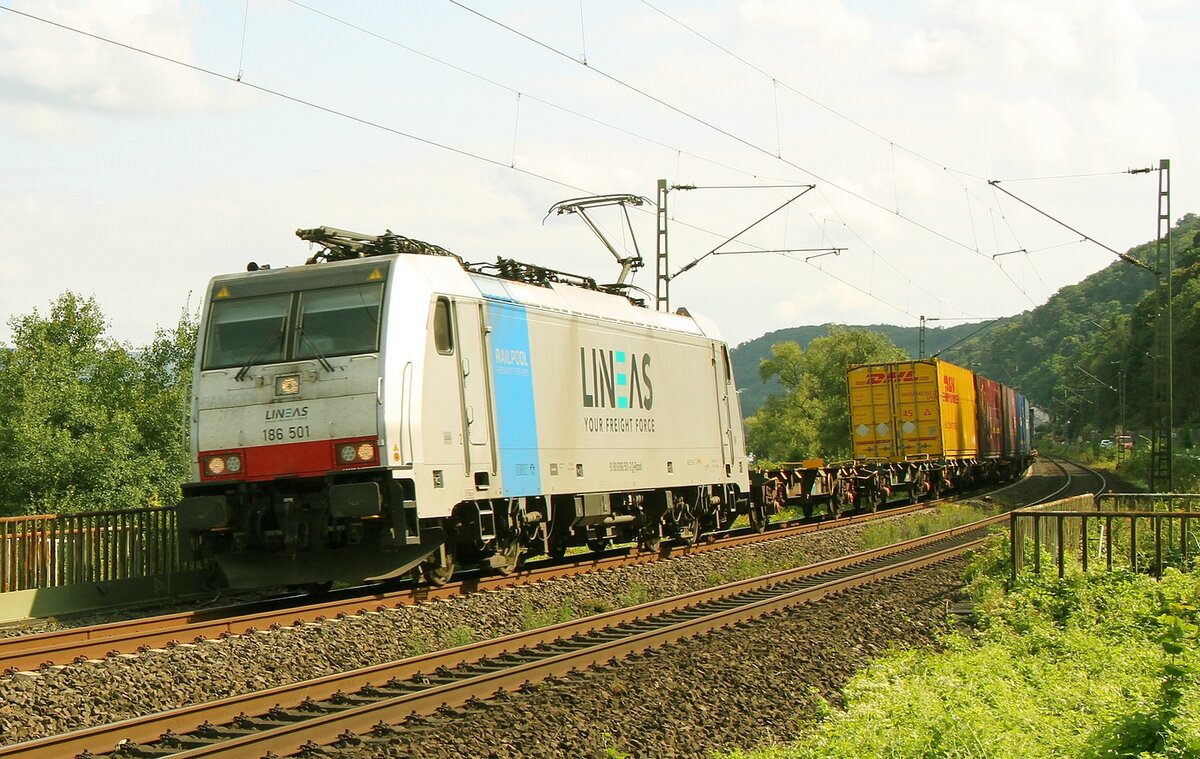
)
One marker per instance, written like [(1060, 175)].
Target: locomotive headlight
[(288, 384), (355, 452), (222, 464)]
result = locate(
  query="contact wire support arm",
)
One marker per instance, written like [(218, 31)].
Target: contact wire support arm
[(716, 250)]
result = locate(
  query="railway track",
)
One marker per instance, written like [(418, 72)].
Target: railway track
[(586, 564), (60, 647), (1080, 480), (320, 711)]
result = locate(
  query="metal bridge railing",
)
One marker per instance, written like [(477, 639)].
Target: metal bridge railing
[(52, 550), (1135, 531)]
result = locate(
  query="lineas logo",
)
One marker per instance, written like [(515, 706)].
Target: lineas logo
[(615, 379)]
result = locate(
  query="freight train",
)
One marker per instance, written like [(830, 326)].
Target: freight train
[(391, 408), (918, 428)]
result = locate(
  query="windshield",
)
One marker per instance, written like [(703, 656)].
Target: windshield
[(247, 330), (338, 321), (335, 321)]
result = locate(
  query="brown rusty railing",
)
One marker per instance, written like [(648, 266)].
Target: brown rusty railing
[(1136, 531), (52, 550)]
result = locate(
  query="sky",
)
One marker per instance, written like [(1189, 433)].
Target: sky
[(149, 145)]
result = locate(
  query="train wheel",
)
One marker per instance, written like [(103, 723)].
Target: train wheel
[(648, 541), (598, 545), (439, 571), (507, 557)]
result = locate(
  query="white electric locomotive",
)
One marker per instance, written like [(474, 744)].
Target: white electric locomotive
[(390, 408)]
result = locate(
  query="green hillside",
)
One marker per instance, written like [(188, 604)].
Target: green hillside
[(1069, 355), (747, 356)]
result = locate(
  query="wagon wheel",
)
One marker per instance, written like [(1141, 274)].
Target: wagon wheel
[(598, 544), (507, 556), (649, 539), (439, 568)]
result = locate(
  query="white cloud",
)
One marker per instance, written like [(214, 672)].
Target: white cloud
[(829, 24), (932, 51), (48, 73)]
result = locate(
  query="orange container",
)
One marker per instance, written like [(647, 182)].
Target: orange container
[(912, 410)]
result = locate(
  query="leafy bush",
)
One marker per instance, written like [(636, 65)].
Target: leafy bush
[(1104, 665)]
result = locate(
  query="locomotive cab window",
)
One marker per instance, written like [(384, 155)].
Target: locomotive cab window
[(338, 321), (291, 326), (443, 336), (247, 331)]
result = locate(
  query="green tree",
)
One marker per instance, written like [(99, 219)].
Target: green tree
[(812, 418), (85, 422)]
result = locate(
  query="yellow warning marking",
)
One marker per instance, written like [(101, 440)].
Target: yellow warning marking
[(395, 452), (376, 274), (223, 293)]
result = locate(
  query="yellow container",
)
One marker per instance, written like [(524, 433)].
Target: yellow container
[(912, 410)]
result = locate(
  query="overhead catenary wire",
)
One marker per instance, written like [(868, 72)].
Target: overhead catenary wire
[(678, 151), (513, 90), (709, 125), (805, 95), (748, 143), (294, 99), (892, 144), (316, 106), (518, 93), (312, 104)]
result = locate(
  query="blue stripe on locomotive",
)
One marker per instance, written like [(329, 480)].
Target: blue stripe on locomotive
[(516, 420)]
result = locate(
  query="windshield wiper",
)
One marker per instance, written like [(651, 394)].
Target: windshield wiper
[(271, 339), (304, 338)]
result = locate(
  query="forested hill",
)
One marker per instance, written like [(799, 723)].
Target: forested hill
[(1101, 326), (1071, 354), (747, 356)]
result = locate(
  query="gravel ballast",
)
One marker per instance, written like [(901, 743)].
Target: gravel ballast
[(648, 707)]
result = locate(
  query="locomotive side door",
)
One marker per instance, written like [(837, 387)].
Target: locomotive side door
[(474, 391), (724, 386)]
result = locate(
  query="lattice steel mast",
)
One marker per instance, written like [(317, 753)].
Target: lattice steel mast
[(1162, 405)]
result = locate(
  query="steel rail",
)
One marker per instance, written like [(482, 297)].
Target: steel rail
[(29, 652), (361, 717), (60, 647), (1062, 465)]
